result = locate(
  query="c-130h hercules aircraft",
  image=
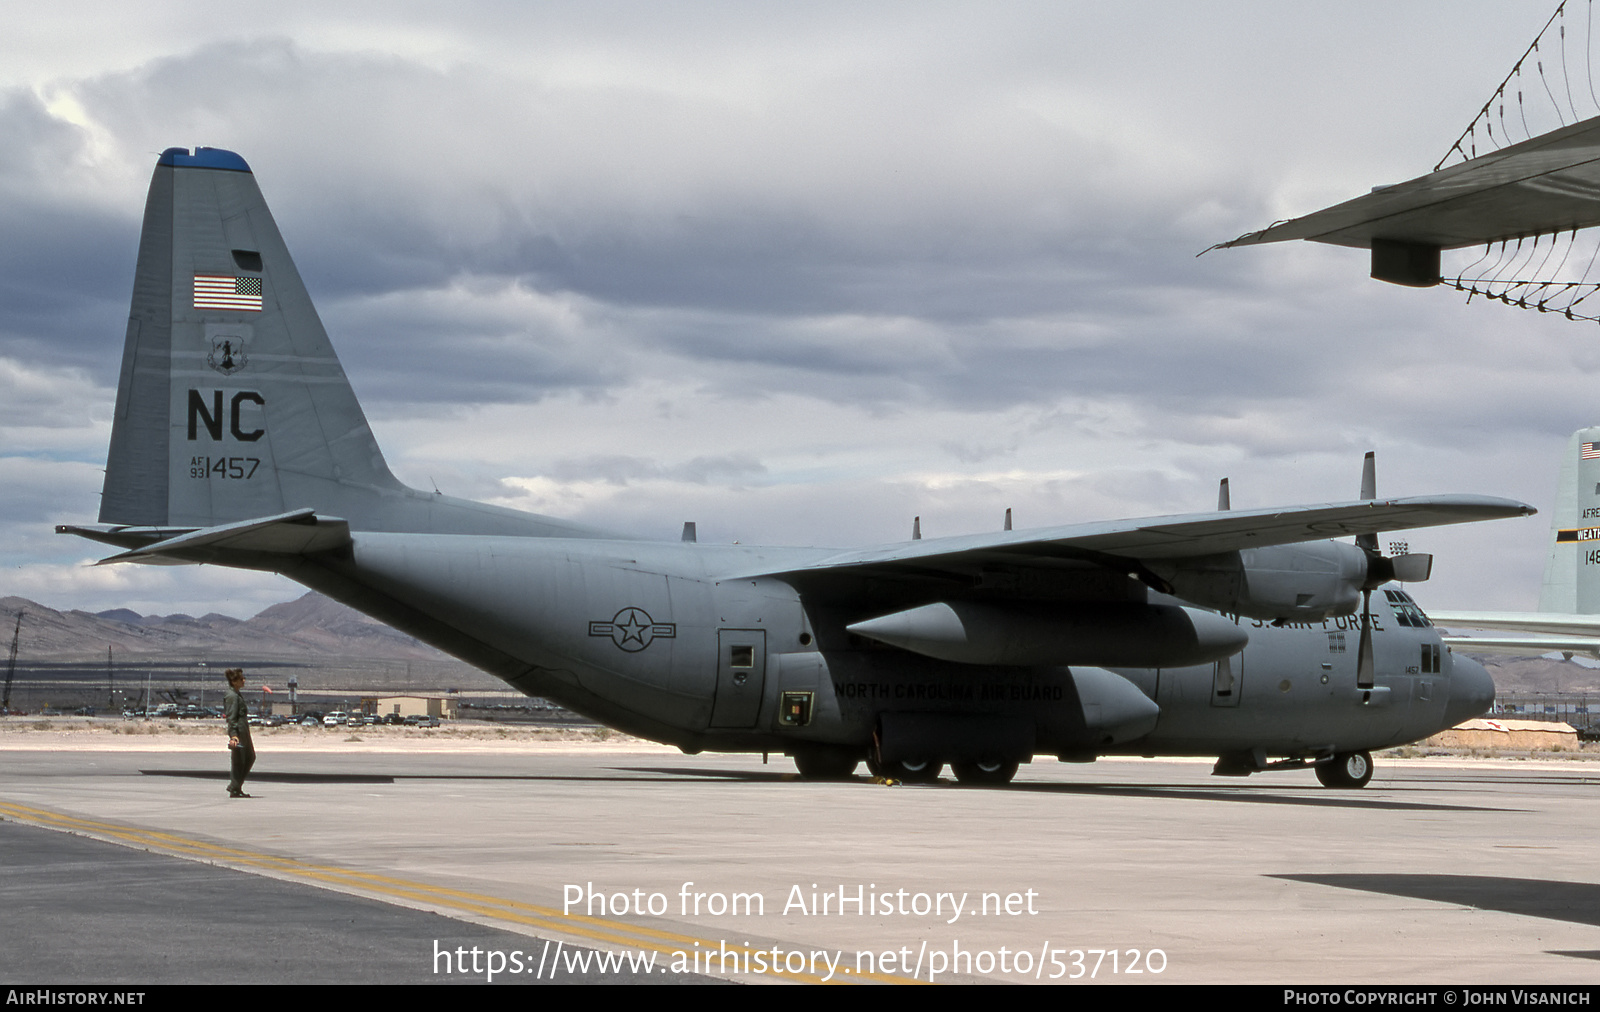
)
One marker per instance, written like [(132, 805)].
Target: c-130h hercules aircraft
[(239, 442)]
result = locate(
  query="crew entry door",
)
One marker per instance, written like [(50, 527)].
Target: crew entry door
[(741, 676)]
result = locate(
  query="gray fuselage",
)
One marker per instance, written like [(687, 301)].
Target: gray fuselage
[(668, 641)]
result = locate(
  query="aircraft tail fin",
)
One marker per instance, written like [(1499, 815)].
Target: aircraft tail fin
[(231, 403), (1572, 570)]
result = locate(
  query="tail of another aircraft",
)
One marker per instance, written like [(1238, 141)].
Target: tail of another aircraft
[(1572, 571), (232, 405)]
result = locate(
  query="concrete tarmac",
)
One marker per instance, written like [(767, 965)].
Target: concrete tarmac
[(87, 912), (1128, 871)]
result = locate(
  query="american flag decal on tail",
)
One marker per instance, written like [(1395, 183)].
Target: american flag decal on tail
[(222, 291), (1589, 451)]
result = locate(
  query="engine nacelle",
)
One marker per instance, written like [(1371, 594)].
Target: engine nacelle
[(1105, 635), (1298, 583)]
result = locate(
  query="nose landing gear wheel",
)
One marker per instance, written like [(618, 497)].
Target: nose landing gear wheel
[(1347, 769), (984, 772)]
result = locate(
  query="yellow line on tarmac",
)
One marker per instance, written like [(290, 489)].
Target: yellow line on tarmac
[(547, 918)]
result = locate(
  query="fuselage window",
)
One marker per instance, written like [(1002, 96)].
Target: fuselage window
[(1430, 659)]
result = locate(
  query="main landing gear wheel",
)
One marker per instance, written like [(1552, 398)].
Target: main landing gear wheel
[(825, 764), (984, 772), (1347, 769), (906, 770)]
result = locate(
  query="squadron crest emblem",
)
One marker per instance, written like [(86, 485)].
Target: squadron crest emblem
[(227, 355)]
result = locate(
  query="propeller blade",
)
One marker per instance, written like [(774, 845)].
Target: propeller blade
[(1364, 662), (1413, 568), (1369, 490)]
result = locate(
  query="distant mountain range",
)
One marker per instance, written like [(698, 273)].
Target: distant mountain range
[(310, 626)]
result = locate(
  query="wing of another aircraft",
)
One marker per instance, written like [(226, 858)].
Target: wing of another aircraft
[(1524, 646), (1568, 626), (1550, 183), (1530, 198), (1547, 632), (1177, 537)]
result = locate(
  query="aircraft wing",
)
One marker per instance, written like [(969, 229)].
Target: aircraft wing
[(1550, 183), (1174, 537), (1547, 632), (1524, 646), (1553, 623)]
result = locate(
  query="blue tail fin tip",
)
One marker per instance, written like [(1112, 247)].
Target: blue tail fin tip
[(203, 158)]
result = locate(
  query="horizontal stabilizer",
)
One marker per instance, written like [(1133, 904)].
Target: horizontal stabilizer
[(121, 535), (300, 532), (1550, 183)]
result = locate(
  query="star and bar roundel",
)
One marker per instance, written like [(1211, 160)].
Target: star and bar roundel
[(632, 629)]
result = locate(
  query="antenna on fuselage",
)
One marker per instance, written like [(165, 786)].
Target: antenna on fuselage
[(1223, 502), (916, 528), (688, 531), (1008, 518)]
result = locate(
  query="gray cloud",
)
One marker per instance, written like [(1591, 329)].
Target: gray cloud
[(619, 470), (910, 243)]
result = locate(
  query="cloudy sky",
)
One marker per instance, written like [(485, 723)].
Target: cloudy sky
[(796, 272)]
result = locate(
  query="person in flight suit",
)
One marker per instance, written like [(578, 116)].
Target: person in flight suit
[(239, 744)]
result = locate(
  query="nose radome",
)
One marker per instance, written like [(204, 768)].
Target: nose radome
[(1471, 691)]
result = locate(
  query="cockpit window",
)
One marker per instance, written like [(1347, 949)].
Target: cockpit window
[(1406, 611)]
